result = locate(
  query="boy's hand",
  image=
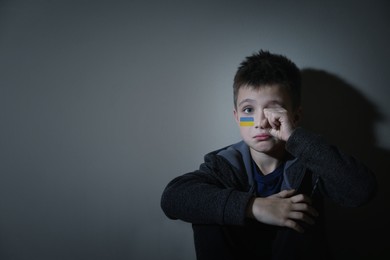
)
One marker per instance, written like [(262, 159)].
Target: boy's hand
[(283, 209), (280, 122)]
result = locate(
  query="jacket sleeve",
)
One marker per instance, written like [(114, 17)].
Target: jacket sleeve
[(217, 193), (342, 177)]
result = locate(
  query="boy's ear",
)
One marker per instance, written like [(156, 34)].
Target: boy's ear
[(235, 114)]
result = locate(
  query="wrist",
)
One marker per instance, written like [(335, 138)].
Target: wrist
[(249, 209), (288, 134)]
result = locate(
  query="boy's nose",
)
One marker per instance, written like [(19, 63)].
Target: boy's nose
[(261, 121)]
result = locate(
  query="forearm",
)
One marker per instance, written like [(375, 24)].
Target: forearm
[(343, 178), (198, 198)]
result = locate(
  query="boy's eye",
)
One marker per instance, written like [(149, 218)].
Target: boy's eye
[(247, 110)]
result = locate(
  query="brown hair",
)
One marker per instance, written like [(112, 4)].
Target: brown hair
[(264, 68)]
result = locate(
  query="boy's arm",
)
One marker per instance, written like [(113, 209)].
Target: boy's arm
[(214, 194), (218, 194), (342, 177)]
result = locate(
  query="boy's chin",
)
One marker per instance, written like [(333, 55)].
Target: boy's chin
[(267, 147)]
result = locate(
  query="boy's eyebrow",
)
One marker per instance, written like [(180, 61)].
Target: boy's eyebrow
[(247, 100), (272, 102)]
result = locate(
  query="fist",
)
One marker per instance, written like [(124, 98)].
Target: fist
[(279, 121)]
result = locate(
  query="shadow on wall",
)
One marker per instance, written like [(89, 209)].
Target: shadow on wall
[(336, 110)]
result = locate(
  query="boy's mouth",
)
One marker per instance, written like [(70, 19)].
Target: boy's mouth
[(262, 137)]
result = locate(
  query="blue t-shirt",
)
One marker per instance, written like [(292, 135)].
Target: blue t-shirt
[(268, 184)]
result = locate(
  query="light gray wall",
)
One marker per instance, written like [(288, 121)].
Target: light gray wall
[(103, 102)]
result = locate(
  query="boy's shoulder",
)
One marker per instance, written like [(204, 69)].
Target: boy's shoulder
[(236, 154)]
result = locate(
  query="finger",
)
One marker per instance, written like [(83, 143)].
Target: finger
[(301, 198), (301, 217), (275, 110), (270, 117), (267, 112), (303, 207), (275, 124), (293, 225), (285, 194), (273, 121)]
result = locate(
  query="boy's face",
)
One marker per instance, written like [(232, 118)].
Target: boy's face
[(251, 103)]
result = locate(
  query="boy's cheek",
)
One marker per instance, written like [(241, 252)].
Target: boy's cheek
[(246, 121)]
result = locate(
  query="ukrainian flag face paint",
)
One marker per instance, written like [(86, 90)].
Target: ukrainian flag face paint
[(247, 121)]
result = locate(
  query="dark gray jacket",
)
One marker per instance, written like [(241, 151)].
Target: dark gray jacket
[(215, 197)]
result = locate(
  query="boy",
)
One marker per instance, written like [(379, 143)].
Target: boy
[(262, 198)]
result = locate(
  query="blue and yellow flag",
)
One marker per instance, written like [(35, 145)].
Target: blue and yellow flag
[(247, 121)]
